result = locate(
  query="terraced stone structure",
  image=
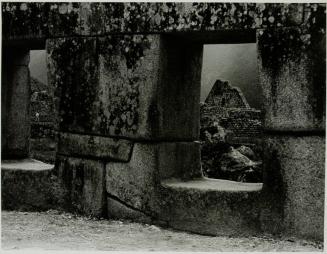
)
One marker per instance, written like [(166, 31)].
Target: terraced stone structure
[(127, 86), (227, 106)]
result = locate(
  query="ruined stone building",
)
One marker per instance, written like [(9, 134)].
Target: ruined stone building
[(228, 106), (42, 139), (126, 80)]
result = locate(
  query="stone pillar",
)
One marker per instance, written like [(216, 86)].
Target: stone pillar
[(15, 103), (292, 76), (115, 92)]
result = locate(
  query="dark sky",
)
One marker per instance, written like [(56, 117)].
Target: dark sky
[(233, 62)]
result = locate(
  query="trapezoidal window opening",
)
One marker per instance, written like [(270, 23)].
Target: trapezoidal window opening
[(230, 113), (42, 139)]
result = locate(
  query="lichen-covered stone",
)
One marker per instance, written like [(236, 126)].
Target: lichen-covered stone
[(126, 86), (94, 146), (294, 92), (294, 179), (84, 181), (56, 19)]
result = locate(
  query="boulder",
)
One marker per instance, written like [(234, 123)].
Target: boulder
[(247, 151), (233, 165)]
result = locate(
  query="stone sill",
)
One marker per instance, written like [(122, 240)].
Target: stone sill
[(209, 184)]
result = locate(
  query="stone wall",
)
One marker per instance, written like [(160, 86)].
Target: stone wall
[(15, 104), (132, 82)]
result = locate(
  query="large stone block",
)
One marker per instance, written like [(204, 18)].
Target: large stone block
[(295, 180), (84, 180), (293, 79), (36, 21), (136, 182), (211, 206), (177, 110), (16, 102), (137, 86), (94, 146), (27, 185)]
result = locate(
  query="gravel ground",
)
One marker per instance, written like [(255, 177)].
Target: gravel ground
[(54, 230)]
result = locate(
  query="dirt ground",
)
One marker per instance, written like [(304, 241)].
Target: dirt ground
[(54, 230)]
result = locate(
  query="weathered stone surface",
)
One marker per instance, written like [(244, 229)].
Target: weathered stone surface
[(212, 206), (294, 179), (73, 73), (178, 91), (117, 210), (26, 185), (135, 183), (84, 181), (94, 146), (179, 160), (15, 105), (112, 92), (293, 79), (39, 20), (128, 85)]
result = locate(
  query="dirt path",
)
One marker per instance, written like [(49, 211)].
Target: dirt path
[(54, 230)]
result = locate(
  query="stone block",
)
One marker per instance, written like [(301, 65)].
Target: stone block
[(26, 185), (293, 80), (63, 19), (177, 107), (137, 86), (179, 160), (73, 73), (100, 18), (135, 183), (85, 184), (295, 179), (24, 21), (94, 146), (15, 107), (211, 206)]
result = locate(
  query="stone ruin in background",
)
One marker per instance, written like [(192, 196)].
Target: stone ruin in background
[(42, 142), (228, 122)]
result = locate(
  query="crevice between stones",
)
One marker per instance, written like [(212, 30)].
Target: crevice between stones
[(128, 205)]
